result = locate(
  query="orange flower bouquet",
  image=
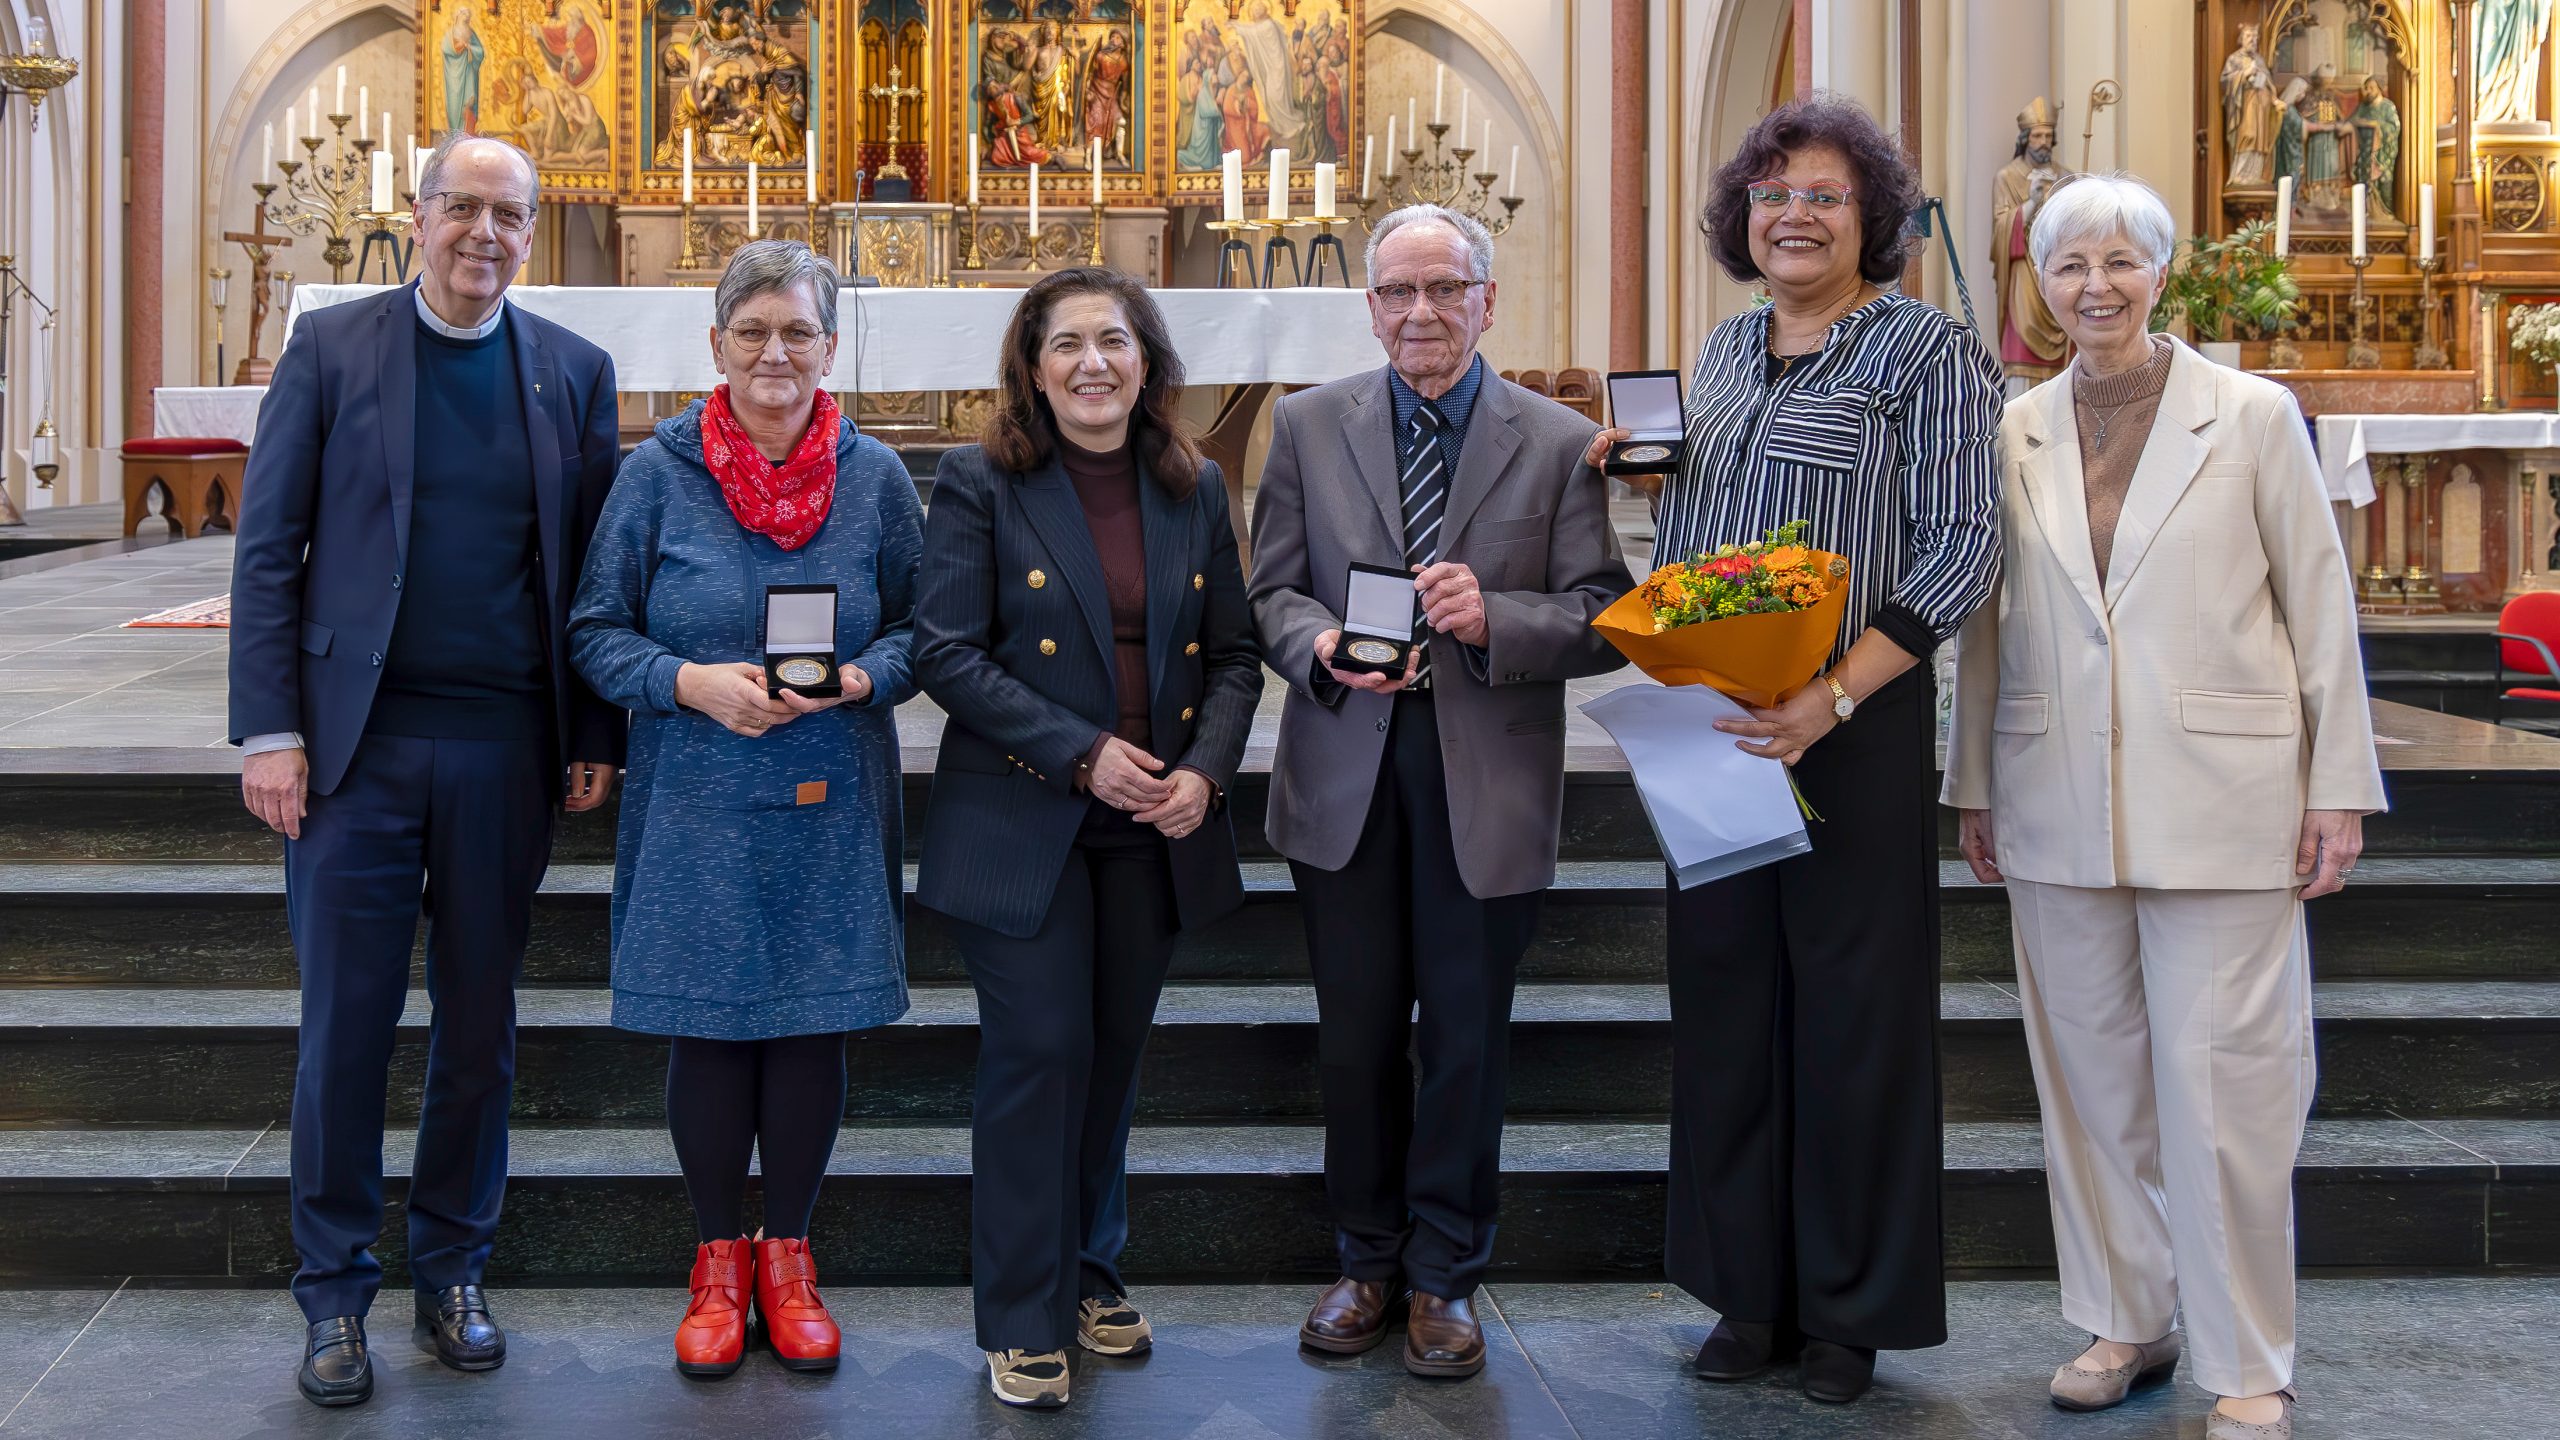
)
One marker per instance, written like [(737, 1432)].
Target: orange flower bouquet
[(1751, 621)]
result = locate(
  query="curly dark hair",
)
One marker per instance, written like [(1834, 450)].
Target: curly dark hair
[(1886, 186), (1023, 434)]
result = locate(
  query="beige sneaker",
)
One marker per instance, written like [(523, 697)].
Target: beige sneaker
[(2077, 1389), (1110, 1325), (1034, 1379), (2218, 1426)]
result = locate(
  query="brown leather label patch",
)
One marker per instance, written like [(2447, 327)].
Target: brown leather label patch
[(813, 792)]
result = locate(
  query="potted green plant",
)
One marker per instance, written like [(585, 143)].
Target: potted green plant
[(2229, 287), (2534, 331)]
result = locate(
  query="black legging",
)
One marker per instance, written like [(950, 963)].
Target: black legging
[(727, 1099)]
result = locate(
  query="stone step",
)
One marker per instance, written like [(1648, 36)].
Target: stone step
[(121, 923), (1219, 1053), (1584, 1201), (104, 804)]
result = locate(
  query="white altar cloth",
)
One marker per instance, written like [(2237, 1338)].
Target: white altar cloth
[(228, 412), (2348, 442), (896, 340)]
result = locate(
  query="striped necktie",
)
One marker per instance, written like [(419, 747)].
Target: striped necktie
[(1425, 483)]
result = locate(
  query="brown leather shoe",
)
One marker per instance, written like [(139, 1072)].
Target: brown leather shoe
[(1352, 1316), (1441, 1337)]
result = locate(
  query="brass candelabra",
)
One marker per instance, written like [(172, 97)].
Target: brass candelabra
[(1093, 235), (2431, 352), (330, 199), (2362, 354), (1326, 250), (1441, 178), (1235, 254), (969, 259)]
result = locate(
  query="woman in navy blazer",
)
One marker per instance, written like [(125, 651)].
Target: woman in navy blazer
[(1082, 621)]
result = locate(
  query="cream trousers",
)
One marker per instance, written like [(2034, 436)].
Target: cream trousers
[(2171, 1036)]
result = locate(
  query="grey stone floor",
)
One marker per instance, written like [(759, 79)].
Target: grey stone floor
[(2380, 1358)]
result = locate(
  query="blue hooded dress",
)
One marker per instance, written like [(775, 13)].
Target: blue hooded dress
[(743, 909)]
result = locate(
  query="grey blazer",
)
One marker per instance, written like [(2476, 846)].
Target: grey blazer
[(1532, 521)]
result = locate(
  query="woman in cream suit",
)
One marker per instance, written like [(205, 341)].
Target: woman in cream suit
[(2162, 745)]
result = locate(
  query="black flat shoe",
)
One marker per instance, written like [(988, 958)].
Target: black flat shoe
[(454, 1323), (1837, 1374), (337, 1369), (1740, 1349)]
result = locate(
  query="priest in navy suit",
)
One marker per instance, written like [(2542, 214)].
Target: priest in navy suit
[(429, 465)]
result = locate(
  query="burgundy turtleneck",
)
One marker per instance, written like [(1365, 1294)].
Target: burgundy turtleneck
[(1106, 485)]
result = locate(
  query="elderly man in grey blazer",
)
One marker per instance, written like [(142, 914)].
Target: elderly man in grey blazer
[(1419, 811)]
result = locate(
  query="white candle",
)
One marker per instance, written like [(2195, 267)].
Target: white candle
[(270, 162), (809, 151), (311, 108), (1096, 151), (2427, 221), (292, 131), (1035, 201), (2284, 216), (364, 113), (1487, 151), (1279, 184), (1514, 187), (1369, 159), (342, 92), (2357, 200), (1324, 189), (415, 155), (973, 168), (381, 182), (751, 199), (1233, 163), (1412, 131), (1391, 149), (1439, 88), (688, 164), (1464, 97)]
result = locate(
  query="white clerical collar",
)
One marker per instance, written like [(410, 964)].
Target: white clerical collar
[(457, 332)]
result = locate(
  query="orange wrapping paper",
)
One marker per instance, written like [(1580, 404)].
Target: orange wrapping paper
[(1756, 659)]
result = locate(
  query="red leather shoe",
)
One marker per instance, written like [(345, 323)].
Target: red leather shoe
[(713, 1338), (795, 1320)]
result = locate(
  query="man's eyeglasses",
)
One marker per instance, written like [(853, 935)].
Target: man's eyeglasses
[(2077, 272), (1820, 199), (464, 209), (798, 339), (1443, 294)]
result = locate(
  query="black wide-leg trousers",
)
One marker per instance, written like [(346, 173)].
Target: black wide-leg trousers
[(1805, 1152), (1410, 966), (1063, 1015)]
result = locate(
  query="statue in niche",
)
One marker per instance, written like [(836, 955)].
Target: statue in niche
[(2506, 59), (2328, 143), (2031, 341), (1053, 104), (2289, 132), (2377, 124), (2249, 112), (722, 75), (463, 54)]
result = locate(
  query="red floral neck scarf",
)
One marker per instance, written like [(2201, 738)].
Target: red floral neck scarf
[(788, 502)]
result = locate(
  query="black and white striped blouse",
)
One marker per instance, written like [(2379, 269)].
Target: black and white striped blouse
[(1884, 443)]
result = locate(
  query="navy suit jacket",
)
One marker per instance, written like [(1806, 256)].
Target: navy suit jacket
[(1024, 670), (324, 523)]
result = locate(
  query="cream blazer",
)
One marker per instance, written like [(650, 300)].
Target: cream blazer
[(2169, 729)]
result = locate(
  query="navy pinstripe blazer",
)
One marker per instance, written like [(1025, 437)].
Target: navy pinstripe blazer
[(1024, 671)]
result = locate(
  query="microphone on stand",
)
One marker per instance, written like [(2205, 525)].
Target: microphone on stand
[(857, 278)]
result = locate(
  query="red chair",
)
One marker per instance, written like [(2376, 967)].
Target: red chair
[(2528, 633)]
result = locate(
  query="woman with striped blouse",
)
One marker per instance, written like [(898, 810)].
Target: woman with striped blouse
[(1804, 995)]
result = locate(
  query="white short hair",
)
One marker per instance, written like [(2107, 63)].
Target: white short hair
[(2095, 207), (1478, 240)]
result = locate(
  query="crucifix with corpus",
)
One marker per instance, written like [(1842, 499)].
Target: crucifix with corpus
[(891, 172), (254, 370)]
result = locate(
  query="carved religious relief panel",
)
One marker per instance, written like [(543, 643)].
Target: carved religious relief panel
[(734, 72), (538, 75), (1257, 76), (1055, 83)]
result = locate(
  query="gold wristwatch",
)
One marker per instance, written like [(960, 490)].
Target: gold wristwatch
[(1841, 704)]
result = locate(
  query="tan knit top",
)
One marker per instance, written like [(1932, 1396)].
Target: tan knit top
[(2115, 416)]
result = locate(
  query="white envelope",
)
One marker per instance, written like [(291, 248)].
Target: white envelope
[(1716, 811)]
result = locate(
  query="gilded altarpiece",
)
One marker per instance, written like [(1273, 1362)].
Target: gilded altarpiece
[(543, 77)]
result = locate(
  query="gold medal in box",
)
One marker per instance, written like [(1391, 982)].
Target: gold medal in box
[(1645, 404), (1378, 611), (800, 641)]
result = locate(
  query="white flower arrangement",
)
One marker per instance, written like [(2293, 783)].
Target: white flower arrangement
[(2535, 333)]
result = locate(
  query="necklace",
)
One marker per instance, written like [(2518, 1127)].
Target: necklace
[(1787, 363), (2099, 415), (1786, 359)]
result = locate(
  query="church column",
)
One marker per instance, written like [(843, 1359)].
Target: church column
[(2466, 196), (145, 148), (1627, 318)]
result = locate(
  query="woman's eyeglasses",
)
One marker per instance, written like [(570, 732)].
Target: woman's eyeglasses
[(1820, 199), (2077, 272), (798, 339)]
